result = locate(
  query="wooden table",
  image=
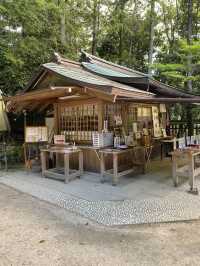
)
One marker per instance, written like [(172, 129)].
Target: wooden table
[(114, 172), (188, 169), (69, 174), (167, 141)]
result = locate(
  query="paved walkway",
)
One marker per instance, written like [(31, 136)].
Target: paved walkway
[(138, 199)]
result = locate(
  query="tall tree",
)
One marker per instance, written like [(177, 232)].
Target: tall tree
[(151, 36), (95, 24), (189, 65)]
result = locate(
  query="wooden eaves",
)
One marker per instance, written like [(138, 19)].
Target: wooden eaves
[(160, 100)]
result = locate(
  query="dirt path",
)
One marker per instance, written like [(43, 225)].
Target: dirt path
[(36, 233)]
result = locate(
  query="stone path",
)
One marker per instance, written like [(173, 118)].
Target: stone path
[(109, 205)]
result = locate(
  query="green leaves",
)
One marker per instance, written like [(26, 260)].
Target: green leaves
[(180, 72), (30, 30), (29, 34)]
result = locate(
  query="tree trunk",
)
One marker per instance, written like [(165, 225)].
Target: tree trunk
[(189, 62), (95, 25), (151, 39), (189, 39), (63, 28), (62, 22)]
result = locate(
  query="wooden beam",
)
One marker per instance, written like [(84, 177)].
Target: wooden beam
[(40, 94), (160, 100), (75, 102), (33, 106), (132, 94), (100, 94), (21, 107), (44, 106)]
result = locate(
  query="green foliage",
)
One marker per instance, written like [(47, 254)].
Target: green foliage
[(31, 30), (177, 73), (29, 34)]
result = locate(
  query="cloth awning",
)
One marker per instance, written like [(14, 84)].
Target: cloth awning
[(4, 122)]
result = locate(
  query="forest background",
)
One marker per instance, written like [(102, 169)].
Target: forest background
[(158, 37)]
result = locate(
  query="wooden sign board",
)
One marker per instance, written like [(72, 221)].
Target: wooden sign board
[(156, 122), (36, 134), (59, 139)]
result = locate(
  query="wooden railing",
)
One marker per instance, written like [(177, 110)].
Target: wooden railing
[(180, 128)]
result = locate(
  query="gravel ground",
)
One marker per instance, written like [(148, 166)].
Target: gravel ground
[(33, 232)]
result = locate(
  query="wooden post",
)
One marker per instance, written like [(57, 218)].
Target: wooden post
[(44, 162), (124, 116), (66, 167), (57, 160), (81, 162), (102, 166), (174, 170), (161, 151), (115, 170), (100, 116), (191, 171), (144, 166), (174, 144), (56, 119)]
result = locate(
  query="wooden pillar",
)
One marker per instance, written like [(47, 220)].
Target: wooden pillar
[(100, 116), (174, 170), (56, 118), (81, 162), (191, 171), (124, 116), (66, 167), (102, 166), (44, 162), (115, 170)]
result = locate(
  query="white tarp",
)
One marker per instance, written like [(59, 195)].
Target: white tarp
[(4, 123)]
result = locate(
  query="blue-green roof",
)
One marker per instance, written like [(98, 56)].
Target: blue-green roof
[(80, 76), (105, 71)]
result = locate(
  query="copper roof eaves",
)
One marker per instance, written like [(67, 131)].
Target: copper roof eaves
[(92, 57)]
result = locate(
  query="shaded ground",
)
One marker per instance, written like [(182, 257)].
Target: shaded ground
[(33, 232)]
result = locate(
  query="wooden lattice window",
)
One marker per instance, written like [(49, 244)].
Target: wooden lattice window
[(110, 111), (78, 122), (132, 116)]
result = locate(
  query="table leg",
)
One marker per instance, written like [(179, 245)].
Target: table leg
[(66, 167), (57, 160), (81, 162), (102, 167), (191, 173), (174, 171), (144, 167), (44, 162), (115, 170), (174, 145), (161, 151), (5, 160)]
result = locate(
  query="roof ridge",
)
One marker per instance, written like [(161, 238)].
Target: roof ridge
[(70, 61), (112, 64)]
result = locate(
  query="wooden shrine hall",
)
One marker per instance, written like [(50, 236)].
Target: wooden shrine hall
[(106, 118)]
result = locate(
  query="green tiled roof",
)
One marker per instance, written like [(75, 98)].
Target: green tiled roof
[(83, 77), (105, 71)]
